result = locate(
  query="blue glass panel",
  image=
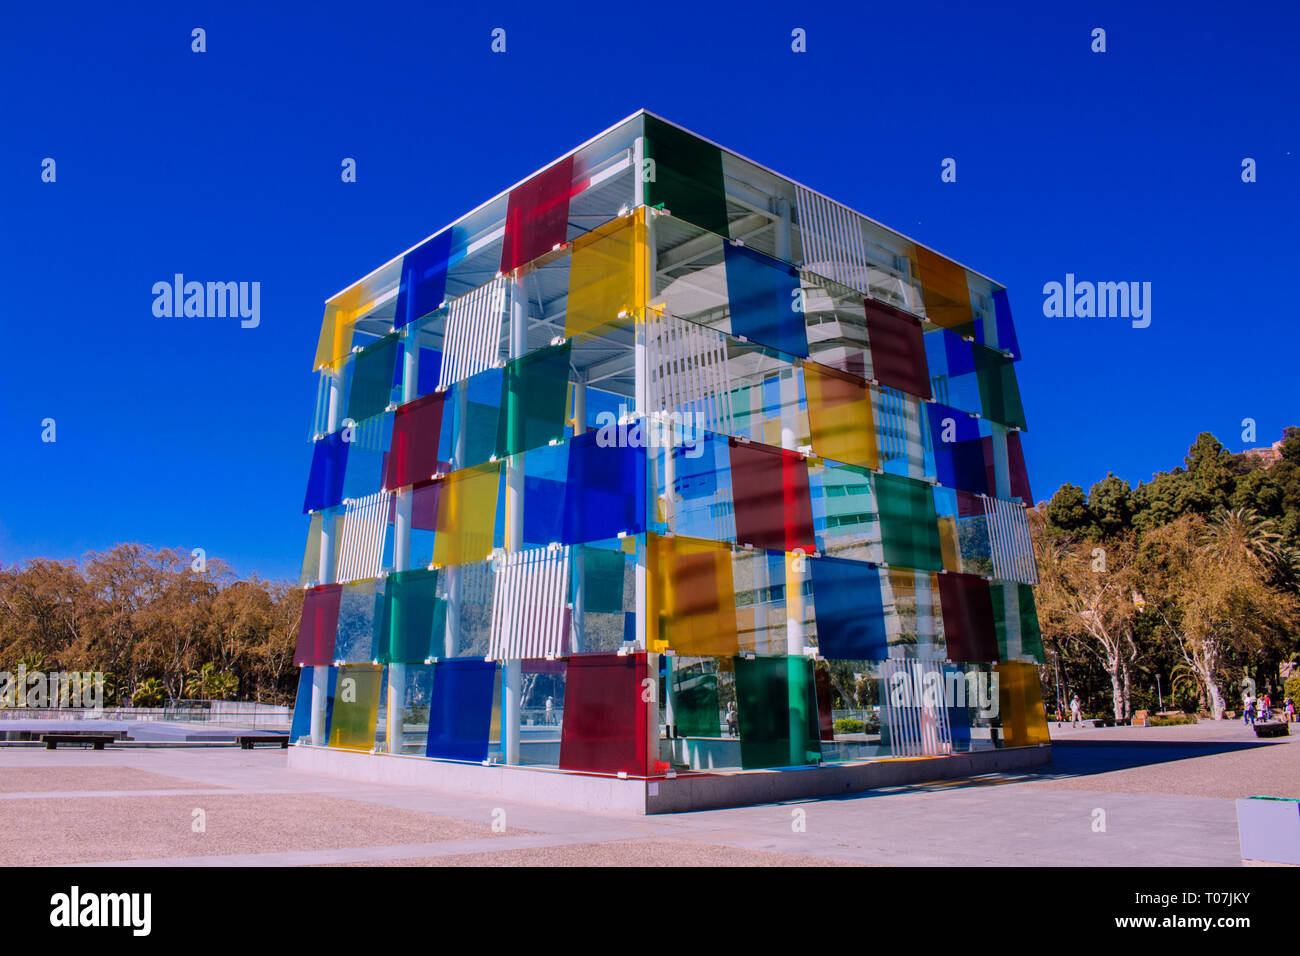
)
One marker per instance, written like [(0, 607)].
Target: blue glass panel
[(328, 464), (960, 357), (849, 610), (959, 462), (460, 715), (301, 726), (605, 493), (368, 455), (424, 279), (430, 367), (545, 490), (958, 716), (761, 291), (1007, 339)]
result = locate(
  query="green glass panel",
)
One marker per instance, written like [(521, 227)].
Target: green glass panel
[(410, 611), (777, 703), (909, 526), (1031, 637), (999, 617), (481, 426), (999, 389), (372, 379), (533, 395), (687, 178), (602, 577), (696, 710)]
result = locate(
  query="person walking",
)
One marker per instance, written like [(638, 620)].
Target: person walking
[(1247, 708), (1250, 711), (1076, 712), (1060, 712), (1288, 708)]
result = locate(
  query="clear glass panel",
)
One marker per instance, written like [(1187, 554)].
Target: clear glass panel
[(845, 515)]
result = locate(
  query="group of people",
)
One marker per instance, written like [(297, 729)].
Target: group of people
[(1261, 708), (1076, 712)]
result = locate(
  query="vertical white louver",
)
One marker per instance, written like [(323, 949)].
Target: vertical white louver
[(528, 604), (365, 521), (1013, 552), (916, 713), (473, 338)]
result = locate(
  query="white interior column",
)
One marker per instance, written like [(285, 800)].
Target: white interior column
[(577, 554), (796, 566), (402, 541), (512, 671), (1010, 593), (782, 235), (641, 397), (452, 575), (320, 673), (666, 435)]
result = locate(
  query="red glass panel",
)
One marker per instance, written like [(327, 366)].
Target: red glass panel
[(320, 621), (897, 349), (537, 215), (1016, 465), (413, 455), (606, 723), (772, 499), (968, 617)]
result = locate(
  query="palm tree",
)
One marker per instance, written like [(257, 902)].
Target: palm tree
[(1244, 532)]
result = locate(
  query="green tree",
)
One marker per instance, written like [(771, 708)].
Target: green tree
[(1210, 475), (1067, 512), (1259, 491), (1110, 502), (1159, 501)]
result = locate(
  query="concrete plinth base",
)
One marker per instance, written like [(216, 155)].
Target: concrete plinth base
[(696, 791)]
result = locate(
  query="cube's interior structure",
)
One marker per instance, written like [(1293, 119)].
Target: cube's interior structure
[(661, 463)]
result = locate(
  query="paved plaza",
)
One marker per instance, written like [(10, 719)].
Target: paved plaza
[(1165, 795)]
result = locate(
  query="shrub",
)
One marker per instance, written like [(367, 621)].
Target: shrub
[(1170, 721), (150, 693), (1292, 687), (848, 725)]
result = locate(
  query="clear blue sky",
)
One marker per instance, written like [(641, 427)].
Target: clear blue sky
[(225, 166)]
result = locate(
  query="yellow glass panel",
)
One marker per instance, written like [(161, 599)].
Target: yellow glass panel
[(311, 554), (356, 707), (948, 543), (341, 314), (946, 292), (1020, 701), (691, 597), (840, 417), (609, 274), (467, 514)]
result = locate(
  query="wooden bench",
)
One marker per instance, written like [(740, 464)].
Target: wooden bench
[(97, 741), (249, 741), (1272, 728)]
